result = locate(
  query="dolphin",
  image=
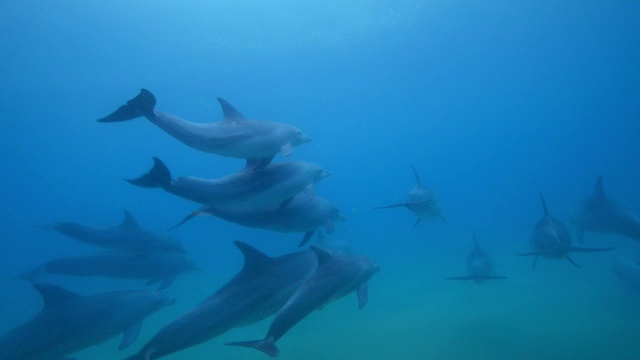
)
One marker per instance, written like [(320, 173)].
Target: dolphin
[(627, 269), (551, 239), (478, 266), (277, 183), (599, 214), (235, 136), (303, 214), (69, 322), (127, 236), (159, 267), (261, 288), (335, 277), (420, 201)]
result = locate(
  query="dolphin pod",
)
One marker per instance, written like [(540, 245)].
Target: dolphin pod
[(261, 287), (479, 266), (69, 322), (336, 276), (551, 239), (235, 136), (420, 200), (599, 214)]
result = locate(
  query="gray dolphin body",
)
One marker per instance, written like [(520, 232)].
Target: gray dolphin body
[(70, 322), (479, 266), (275, 184), (304, 214), (127, 236), (235, 136), (599, 214), (627, 269), (420, 201), (335, 277), (160, 267), (551, 239), (259, 290)]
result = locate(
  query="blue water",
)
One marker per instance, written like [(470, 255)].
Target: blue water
[(493, 103)]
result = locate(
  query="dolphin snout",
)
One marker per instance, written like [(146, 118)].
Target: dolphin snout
[(325, 173)]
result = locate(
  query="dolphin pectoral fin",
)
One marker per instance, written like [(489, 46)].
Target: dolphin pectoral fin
[(166, 282), (583, 249), (186, 219), (286, 150), (390, 206), (466, 277), (130, 335), (442, 218), (141, 105), (267, 346), (363, 295), (309, 191), (284, 204), (307, 236), (572, 261), (328, 226), (259, 164), (151, 282), (417, 222), (535, 262)]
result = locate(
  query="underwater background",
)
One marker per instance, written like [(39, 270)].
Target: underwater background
[(493, 102)]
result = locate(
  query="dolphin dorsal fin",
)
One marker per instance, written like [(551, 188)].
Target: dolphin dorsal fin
[(475, 240), (598, 190), (323, 255), (252, 256), (129, 222), (544, 205), (53, 295), (415, 173), (229, 112)]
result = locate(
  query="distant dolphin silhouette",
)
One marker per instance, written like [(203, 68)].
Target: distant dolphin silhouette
[(420, 200), (599, 214), (478, 266), (627, 269), (126, 236), (551, 239), (335, 277), (69, 322), (259, 290), (235, 136), (158, 267), (275, 184)]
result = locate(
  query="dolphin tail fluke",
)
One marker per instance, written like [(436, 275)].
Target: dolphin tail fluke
[(141, 105), (158, 176), (267, 346)]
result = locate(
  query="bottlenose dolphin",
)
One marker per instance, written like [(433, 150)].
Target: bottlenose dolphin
[(159, 267), (69, 322), (478, 266), (235, 136), (275, 184), (259, 290), (127, 236), (303, 214), (551, 239), (420, 201), (599, 214), (335, 277), (627, 269)]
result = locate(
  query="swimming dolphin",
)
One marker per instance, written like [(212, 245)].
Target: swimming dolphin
[(259, 290), (235, 136), (69, 322), (478, 266), (127, 236), (420, 201), (627, 269), (159, 267), (599, 214), (551, 239), (303, 214), (335, 277), (275, 184)]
